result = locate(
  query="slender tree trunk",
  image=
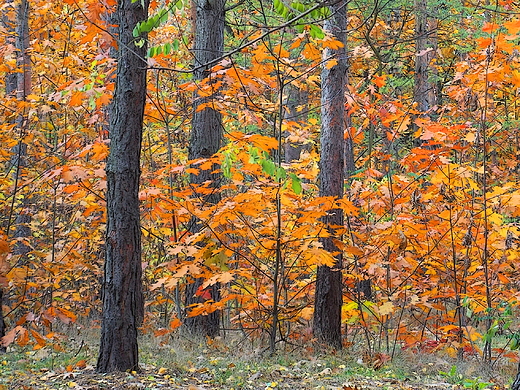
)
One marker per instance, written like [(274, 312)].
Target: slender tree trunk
[(18, 85), (123, 306), (2, 322), (296, 97), (328, 298), (11, 82), (426, 89), (206, 136)]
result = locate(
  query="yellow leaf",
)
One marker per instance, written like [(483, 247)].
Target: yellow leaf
[(307, 313), (470, 137), (353, 250), (331, 63), (452, 352), (403, 124), (32, 97), (332, 43), (495, 219), (386, 308), (310, 52), (162, 371)]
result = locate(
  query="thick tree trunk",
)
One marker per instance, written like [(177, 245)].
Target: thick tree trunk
[(206, 136), (123, 306), (328, 298)]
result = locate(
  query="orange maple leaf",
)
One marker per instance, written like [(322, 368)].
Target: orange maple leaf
[(76, 98)]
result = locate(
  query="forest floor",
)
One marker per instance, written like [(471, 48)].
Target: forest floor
[(231, 365)]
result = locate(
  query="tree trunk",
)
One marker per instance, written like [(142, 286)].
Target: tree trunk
[(328, 298), (123, 306), (296, 97), (18, 84), (205, 140), (426, 90), (2, 323), (516, 383)]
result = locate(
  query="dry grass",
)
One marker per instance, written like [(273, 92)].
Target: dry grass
[(237, 363)]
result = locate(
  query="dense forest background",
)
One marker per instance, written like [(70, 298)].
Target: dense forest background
[(372, 145)]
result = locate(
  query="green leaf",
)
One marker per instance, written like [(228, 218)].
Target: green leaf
[(253, 155), (229, 159), (298, 6), (136, 30), (280, 173), (316, 32), (325, 12), (152, 22), (296, 183), (268, 167), (163, 18), (278, 6), (148, 25)]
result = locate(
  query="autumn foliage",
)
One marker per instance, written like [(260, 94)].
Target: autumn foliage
[(431, 211)]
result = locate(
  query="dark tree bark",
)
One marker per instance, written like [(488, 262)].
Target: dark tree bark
[(516, 383), (206, 137), (123, 306), (328, 298), (426, 89), (2, 323), (18, 84), (10, 25)]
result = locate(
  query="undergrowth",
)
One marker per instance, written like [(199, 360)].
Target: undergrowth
[(230, 363)]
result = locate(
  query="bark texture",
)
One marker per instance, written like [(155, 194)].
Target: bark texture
[(18, 85), (426, 89), (122, 287), (516, 383), (2, 323), (205, 140), (297, 97), (328, 298)]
